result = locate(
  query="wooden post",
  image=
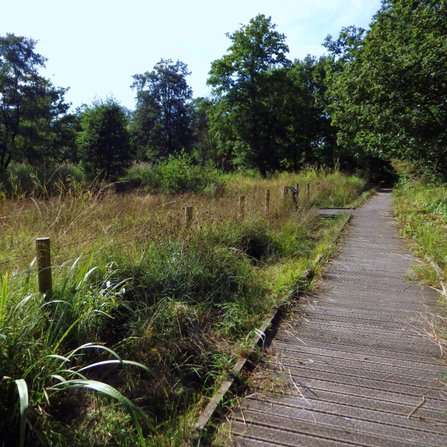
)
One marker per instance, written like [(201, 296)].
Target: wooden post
[(308, 189), (298, 189), (267, 202), (295, 203), (44, 276), (188, 216), (242, 206)]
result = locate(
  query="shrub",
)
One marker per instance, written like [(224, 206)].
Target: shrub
[(23, 180), (177, 174)]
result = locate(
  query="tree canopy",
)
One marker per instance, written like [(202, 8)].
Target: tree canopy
[(104, 142), (29, 103), (388, 85), (380, 92), (242, 81), (161, 122)]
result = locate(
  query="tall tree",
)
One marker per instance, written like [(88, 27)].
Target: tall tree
[(161, 121), (242, 82), (390, 95), (204, 145), (28, 102), (104, 143), (310, 138)]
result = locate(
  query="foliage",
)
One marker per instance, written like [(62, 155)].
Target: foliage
[(388, 84), (242, 82), (161, 121), (104, 143), (149, 292), (310, 137), (422, 211), (22, 181), (269, 113), (29, 104), (204, 144), (177, 174)]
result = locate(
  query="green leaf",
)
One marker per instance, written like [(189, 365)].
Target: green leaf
[(4, 291), (109, 391), (115, 362), (22, 388)]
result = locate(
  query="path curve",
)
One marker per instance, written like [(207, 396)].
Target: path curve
[(359, 366)]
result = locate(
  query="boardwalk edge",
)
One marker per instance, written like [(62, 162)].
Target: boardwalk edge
[(257, 341)]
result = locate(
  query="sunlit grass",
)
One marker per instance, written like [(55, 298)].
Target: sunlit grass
[(422, 212), (133, 286), (423, 216)]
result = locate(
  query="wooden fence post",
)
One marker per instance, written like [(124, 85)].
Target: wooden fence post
[(267, 202), (308, 189), (242, 206), (44, 276), (188, 216)]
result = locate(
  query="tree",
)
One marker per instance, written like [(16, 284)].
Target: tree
[(104, 143), (310, 137), (390, 95), (28, 103), (161, 122), (62, 141), (204, 145), (242, 82)]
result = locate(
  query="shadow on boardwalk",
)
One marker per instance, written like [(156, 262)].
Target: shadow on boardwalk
[(354, 361)]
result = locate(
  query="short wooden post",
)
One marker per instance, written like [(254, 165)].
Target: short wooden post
[(44, 276), (188, 216), (295, 203), (267, 202), (308, 189), (242, 206), (294, 197), (297, 189)]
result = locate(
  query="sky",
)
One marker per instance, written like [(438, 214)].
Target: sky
[(94, 47)]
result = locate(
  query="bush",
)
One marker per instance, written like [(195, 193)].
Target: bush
[(177, 174), (21, 180)]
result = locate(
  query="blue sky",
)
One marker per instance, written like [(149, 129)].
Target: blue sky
[(95, 46)]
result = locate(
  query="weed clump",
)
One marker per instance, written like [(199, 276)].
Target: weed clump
[(177, 174)]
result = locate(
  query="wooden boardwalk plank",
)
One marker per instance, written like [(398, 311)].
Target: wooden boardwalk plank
[(355, 358)]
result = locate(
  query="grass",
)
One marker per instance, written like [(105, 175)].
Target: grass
[(145, 314), (422, 212), (421, 209)]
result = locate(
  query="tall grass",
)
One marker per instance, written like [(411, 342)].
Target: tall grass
[(422, 211), (421, 208), (144, 311)]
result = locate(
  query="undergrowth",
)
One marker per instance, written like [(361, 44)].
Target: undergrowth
[(146, 314), (421, 208), (422, 211)]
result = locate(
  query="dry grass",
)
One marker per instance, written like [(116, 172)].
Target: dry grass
[(175, 299)]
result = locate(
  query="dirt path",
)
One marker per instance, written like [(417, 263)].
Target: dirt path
[(355, 358)]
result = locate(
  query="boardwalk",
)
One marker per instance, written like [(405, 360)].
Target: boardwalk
[(359, 367)]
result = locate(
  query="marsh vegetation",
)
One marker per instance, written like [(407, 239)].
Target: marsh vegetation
[(146, 314)]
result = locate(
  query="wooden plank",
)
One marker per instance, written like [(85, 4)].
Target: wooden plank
[(354, 359)]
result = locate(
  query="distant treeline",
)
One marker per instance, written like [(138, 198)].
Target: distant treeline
[(376, 95)]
